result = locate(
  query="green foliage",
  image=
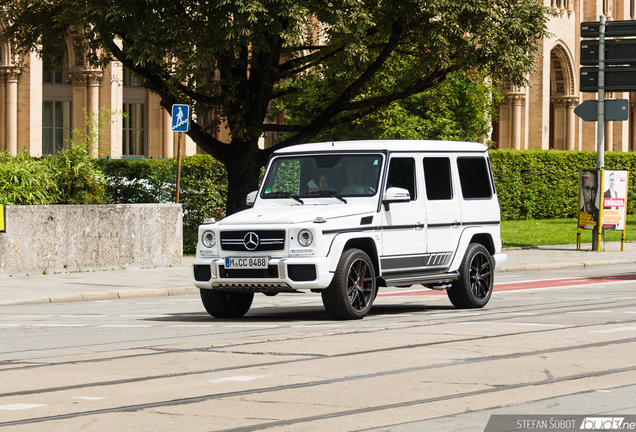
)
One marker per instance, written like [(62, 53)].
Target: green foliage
[(78, 179), (203, 187), (460, 109), (540, 184), (25, 181)]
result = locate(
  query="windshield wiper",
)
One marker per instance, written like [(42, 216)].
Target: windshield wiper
[(329, 193), (285, 195)]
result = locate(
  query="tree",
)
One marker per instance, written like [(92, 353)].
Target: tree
[(358, 56), (461, 108)]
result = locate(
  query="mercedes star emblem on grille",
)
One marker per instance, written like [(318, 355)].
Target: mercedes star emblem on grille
[(251, 241)]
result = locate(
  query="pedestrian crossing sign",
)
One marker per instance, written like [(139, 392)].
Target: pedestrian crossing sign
[(180, 118)]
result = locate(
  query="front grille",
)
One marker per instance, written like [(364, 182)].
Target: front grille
[(202, 272), (268, 273), (268, 240)]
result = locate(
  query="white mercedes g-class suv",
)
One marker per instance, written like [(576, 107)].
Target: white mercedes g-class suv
[(345, 218)]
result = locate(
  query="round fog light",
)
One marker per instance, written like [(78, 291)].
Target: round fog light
[(305, 238)]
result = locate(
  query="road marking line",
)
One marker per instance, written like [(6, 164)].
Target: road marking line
[(126, 325), (585, 312), (10, 325), (614, 330), (16, 407), (540, 325), (318, 326), (191, 325), (88, 398), (235, 379), (58, 325)]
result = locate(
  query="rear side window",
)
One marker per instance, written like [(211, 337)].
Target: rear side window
[(474, 177), (437, 175)]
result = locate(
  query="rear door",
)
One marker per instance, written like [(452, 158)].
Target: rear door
[(443, 211)]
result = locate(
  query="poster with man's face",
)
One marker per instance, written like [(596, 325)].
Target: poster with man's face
[(614, 199), (589, 202)]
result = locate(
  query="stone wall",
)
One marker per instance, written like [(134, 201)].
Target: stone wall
[(67, 238)]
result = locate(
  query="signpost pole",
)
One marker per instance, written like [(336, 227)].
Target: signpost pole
[(600, 149), (178, 167), (597, 232)]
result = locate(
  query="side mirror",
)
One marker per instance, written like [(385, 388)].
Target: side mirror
[(251, 197), (395, 195)]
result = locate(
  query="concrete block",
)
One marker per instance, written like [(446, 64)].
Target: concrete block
[(65, 238)]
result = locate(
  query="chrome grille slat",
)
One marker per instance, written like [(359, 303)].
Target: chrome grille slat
[(269, 240)]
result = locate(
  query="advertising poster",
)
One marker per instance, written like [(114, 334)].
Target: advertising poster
[(589, 198), (614, 199)]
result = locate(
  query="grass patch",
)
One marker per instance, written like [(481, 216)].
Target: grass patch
[(544, 232)]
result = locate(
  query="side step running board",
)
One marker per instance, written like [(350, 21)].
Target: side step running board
[(421, 279)]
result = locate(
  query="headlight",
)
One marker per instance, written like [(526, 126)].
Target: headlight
[(208, 239), (305, 238)]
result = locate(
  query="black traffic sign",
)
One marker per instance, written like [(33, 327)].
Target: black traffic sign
[(612, 28), (615, 110), (617, 52), (617, 79)]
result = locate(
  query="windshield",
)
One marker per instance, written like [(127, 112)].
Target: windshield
[(323, 175)]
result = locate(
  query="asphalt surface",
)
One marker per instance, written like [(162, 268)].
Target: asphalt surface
[(113, 284)]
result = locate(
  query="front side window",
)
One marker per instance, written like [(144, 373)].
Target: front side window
[(402, 175), (134, 131), (474, 177), (323, 175), (56, 126)]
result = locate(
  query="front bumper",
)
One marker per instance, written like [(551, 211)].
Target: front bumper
[(283, 275), (500, 260)]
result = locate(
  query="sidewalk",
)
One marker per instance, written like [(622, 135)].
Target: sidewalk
[(172, 281)]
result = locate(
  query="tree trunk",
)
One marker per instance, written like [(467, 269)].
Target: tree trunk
[(243, 172)]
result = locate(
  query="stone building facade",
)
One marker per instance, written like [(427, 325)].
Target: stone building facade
[(541, 116), (40, 108)]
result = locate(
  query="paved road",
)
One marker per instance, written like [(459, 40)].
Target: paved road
[(414, 364)]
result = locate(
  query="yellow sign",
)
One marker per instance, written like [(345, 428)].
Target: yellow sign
[(2, 218)]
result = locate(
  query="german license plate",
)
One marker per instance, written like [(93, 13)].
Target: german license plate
[(246, 263)]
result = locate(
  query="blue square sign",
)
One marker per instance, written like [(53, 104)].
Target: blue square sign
[(180, 118)]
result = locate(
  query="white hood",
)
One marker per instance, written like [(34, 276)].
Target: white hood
[(296, 213)]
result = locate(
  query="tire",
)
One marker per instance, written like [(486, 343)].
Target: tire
[(352, 290), (476, 277), (222, 304)]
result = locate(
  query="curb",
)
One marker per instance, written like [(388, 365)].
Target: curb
[(107, 295)]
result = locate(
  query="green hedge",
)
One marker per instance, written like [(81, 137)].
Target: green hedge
[(544, 184)]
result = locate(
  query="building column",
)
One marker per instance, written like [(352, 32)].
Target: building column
[(517, 102), (10, 76), (93, 80), (570, 104), (87, 82)]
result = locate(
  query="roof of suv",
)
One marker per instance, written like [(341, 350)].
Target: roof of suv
[(382, 145)]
